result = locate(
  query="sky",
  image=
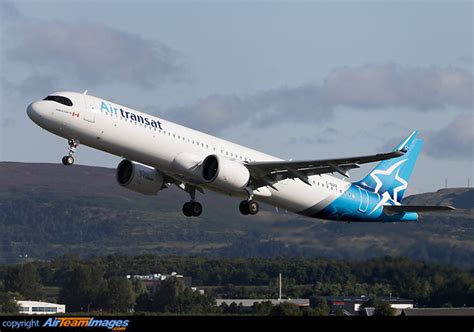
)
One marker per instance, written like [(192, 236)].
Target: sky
[(301, 80)]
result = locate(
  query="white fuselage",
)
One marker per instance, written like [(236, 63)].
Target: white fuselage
[(156, 142)]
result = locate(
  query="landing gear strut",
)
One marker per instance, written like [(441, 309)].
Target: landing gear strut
[(249, 207), (69, 159), (192, 208)]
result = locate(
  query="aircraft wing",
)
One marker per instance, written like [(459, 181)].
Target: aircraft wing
[(270, 172), (415, 208)]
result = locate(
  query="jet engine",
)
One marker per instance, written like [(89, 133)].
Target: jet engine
[(140, 178), (225, 173)]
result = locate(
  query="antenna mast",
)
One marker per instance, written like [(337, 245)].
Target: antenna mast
[(279, 292)]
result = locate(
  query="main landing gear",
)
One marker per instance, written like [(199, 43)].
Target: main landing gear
[(192, 208), (69, 159), (249, 207)]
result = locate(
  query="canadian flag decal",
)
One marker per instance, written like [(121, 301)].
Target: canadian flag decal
[(75, 114)]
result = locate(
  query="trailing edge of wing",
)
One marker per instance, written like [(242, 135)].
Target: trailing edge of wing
[(279, 170), (415, 208)]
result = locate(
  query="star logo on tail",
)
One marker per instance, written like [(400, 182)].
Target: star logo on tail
[(387, 187)]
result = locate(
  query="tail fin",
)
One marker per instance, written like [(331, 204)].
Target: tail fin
[(391, 176)]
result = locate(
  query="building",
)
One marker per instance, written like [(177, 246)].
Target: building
[(152, 280), (464, 311), (248, 303), (350, 305), (40, 308)]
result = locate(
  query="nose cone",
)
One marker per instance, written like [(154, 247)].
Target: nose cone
[(29, 110), (34, 111)]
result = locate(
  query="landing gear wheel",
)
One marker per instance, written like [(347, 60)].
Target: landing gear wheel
[(192, 209), (68, 160), (253, 207), (187, 209), (196, 209), (244, 208), (249, 207)]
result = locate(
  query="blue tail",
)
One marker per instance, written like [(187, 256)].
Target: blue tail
[(390, 177)]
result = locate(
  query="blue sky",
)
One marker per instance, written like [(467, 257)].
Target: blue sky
[(301, 80)]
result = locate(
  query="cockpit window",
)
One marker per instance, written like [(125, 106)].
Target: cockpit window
[(60, 99)]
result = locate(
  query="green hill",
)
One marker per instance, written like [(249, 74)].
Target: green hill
[(48, 210)]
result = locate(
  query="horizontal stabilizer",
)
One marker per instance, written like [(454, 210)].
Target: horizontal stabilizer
[(415, 208)]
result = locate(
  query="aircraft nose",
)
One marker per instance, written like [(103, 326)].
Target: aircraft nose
[(33, 111)]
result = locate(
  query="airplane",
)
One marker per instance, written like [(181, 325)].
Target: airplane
[(158, 153)]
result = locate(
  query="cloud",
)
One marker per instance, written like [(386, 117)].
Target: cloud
[(370, 87), (260, 110), (391, 85), (455, 141), (466, 60), (324, 136), (8, 11), (93, 53), (33, 86)]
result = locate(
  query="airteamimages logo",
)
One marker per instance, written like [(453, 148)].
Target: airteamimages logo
[(74, 322)]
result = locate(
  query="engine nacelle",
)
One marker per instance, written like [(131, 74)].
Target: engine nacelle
[(140, 178), (225, 173)]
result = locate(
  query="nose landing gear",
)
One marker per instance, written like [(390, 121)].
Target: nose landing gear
[(69, 159)]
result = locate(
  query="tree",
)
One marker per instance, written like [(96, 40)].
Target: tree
[(120, 296), (84, 288), (286, 309), (383, 308), (142, 298), (173, 296), (339, 312), (321, 308), (167, 295), (7, 303), (262, 308), (24, 280)]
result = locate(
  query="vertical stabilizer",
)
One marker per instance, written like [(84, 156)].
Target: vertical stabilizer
[(390, 177)]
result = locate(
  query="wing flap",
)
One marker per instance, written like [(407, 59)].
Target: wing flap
[(279, 170)]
